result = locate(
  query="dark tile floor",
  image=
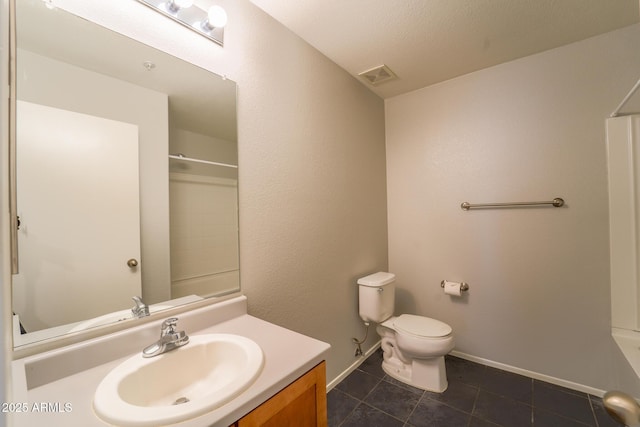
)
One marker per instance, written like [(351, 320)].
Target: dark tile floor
[(478, 396)]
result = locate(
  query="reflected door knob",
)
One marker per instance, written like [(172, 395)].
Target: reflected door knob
[(132, 263)]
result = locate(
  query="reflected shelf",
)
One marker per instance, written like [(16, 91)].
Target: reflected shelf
[(180, 156)]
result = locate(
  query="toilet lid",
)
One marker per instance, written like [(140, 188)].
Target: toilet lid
[(421, 326)]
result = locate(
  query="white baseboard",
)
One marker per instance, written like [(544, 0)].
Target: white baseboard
[(352, 367), (535, 375), (530, 374)]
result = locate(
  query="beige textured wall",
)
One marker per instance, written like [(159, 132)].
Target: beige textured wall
[(312, 188), (312, 167), (531, 129)]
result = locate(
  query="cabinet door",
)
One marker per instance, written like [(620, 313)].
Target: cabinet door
[(302, 403)]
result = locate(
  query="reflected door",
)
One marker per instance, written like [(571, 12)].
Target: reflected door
[(75, 171)]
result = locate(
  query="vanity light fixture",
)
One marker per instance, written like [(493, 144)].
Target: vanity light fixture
[(49, 4), (173, 6), (148, 65), (209, 24)]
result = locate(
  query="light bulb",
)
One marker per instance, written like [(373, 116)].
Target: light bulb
[(217, 17)]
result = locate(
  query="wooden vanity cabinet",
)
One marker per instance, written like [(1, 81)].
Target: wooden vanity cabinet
[(303, 403)]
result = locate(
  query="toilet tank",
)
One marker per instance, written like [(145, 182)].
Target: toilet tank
[(376, 296)]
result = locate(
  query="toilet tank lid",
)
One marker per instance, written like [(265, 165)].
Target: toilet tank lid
[(377, 279)]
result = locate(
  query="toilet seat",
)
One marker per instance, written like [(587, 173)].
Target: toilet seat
[(421, 326)]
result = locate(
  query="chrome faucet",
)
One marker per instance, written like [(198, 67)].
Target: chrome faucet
[(169, 339), (141, 309)]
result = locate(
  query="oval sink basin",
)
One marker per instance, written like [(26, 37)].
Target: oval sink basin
[(183, 383)]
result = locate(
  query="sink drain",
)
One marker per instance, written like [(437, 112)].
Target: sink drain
[(180, 401)]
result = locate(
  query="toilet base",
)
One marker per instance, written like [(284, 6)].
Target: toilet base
[(425, 374)]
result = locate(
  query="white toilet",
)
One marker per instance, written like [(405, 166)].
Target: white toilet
[(413, 346)]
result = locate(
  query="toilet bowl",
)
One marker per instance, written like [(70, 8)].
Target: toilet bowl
[(415, 354), (413, 346)]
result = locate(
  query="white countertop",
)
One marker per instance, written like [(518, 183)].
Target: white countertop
[(67, 395)]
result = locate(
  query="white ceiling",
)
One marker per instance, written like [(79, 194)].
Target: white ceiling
[(428, 41)]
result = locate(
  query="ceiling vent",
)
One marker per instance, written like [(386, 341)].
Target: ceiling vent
[(378, 75)]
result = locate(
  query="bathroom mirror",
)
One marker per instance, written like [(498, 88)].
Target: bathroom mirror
[(126, 177)]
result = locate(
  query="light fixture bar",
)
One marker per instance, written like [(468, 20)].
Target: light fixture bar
[(191, 17)]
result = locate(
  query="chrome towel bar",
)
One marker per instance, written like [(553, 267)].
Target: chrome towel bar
[(557, 202)]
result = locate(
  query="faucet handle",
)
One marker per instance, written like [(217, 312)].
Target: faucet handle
[(138, 301), (168, 326), (141, 309)]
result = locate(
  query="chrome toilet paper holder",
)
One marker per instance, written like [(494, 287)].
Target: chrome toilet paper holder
[(463, 286)]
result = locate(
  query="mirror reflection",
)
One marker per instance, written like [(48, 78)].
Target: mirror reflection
[(126, 171)]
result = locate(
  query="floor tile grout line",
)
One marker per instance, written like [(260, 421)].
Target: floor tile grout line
[(372, 388), (386, 413), (593, 412), (475, 401), (360, 401), (350, 412), (422, 396), (532, 386)]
